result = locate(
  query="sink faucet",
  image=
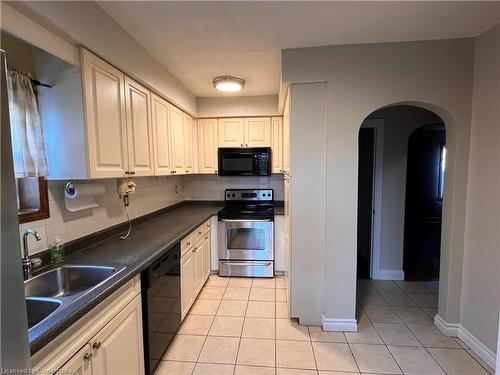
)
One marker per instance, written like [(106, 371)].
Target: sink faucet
[(27, 265)]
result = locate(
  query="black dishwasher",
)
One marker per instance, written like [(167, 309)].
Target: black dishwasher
[(161, 306)]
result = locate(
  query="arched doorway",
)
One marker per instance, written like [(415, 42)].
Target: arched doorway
[(392, 238)]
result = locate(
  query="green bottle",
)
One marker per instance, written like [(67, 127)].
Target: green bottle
[(56, 252)]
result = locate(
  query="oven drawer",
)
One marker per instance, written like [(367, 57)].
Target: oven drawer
[(246, 268)]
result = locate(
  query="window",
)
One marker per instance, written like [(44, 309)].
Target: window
[(442, 167), (30, 165), (33, 199)]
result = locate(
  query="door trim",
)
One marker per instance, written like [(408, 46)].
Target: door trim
[(378, 165)]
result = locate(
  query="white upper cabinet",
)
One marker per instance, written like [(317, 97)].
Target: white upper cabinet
[(106, 129), (207, 145), (139, 128), (161, 135), (177, 141), (231, 132), (258, 132), (277, 143), (188, 143)]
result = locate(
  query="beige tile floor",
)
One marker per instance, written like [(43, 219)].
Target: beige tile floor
[(240, 326)]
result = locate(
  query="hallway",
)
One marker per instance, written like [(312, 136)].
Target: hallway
[(240, 326), (399, 315)]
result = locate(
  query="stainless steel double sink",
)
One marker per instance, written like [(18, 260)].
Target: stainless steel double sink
[(61, 286)]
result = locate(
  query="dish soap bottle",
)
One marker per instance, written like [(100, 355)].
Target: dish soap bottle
[(56, 252)]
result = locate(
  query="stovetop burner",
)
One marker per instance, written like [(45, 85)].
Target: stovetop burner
[(248, 204)]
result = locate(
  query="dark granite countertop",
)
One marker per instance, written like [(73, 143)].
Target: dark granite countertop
[(146, 243)]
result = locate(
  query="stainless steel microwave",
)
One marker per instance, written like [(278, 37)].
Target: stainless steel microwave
[(235, 161)]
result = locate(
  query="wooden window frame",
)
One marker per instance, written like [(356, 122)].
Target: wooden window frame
[(43, 212)]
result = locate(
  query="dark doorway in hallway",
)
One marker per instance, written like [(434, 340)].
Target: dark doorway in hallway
[(365, 200), (423, 204)]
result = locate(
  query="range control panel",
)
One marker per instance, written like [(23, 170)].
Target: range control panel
[(249, 195)]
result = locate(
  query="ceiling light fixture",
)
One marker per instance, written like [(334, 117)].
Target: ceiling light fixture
[(228, 83)]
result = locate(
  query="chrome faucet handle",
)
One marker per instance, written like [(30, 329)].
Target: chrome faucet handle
[(27, 264)]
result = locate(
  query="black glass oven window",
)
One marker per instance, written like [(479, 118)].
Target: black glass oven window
[(238, 164), (246, 239)]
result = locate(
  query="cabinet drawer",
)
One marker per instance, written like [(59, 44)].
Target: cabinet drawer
[(206, 226), (193, 237), (187, 243)]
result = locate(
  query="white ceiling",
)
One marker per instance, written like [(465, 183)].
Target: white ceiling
[(197, 41)]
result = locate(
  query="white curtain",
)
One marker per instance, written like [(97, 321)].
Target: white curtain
[(26, 127)]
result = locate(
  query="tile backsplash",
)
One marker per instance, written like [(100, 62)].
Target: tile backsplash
[(152, 193), (211, 187)]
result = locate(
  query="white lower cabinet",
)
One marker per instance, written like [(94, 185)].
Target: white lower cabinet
[(108, 340), (79, 364), (187, 282), (195, 265), (118, 347), (199, 272)]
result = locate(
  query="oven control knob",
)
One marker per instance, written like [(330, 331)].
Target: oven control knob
[(228, 195), (234, 195)]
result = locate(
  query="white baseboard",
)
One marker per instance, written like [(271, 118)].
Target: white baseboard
[(456, 330), (448, 329), (339, 325), (388, 274)]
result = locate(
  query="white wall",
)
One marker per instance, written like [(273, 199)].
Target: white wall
[(266, 105), (211, 187), (86, 24), (308, 209), (363, 78), (399, 122), (481, 274), (152, 194)]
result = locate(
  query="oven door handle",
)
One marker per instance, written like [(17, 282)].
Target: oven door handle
[(250, 263), (245, 220)]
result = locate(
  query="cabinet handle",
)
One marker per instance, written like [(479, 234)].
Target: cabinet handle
[(133, 172), (246, 145), (241, 144), (97, 345), (188, 243), (200, 232), (87, 356)]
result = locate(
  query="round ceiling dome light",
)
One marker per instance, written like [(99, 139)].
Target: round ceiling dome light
[(228, 83)]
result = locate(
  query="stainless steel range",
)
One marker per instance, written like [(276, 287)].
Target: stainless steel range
[(246, 233)]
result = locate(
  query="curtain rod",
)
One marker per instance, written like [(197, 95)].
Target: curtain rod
[(38, 83)]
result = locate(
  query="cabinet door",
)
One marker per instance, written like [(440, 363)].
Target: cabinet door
[(258, 132), (139, 128), (105, 119), (207, 255), (207, 145), (199, 264), (188, 143), (277, 143), (79, 364), (118, 347), (231, 132), (177, 142), (187, 282), (286, 135), (161, 135)]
